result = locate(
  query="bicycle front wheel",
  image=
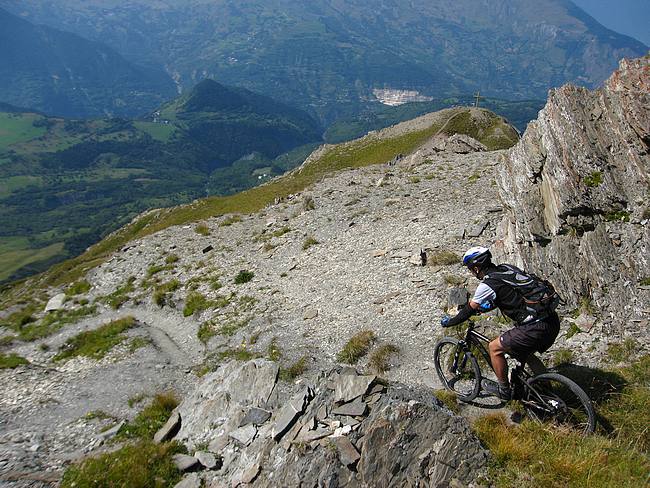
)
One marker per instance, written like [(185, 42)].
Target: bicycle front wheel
[(457, 368), (551, 397)]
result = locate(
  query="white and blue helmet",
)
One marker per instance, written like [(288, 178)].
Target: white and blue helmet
[(477, 256)]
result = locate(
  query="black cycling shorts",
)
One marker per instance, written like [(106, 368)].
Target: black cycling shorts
[(526, 339)]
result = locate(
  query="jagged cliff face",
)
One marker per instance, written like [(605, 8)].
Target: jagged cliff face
[(576, 192)]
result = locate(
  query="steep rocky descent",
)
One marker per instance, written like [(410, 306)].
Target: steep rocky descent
[(577, 195), (364, 273), (342, 430)]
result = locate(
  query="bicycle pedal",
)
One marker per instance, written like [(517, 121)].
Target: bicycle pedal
[(489, 385)]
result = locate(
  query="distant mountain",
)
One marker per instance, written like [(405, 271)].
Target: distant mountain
[(66, 183), (329, 57), (63, 74)]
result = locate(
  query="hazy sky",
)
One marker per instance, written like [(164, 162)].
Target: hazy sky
[(630, 17)]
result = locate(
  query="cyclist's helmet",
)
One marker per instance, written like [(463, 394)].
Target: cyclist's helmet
[(477, 256)]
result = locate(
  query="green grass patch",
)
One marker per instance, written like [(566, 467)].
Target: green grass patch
[(533, 454), (562, 356), (11, 361), (206, 332), (98, 342), (273, 351), (162, 292), (378, 360), (593, 180), (121, 294), (244, 276), (295, 370), (228, 221), (140, 465), (644, 281), (53, 322), (150, 419), (157, 268), (448, 399), (138, 343), (159, 132), (239, 354), (618, 216), (309, 242), (357, 347), (17, 252), (15, 128), (78, 288), (202, 229), (622, 351), (195, 303), (171, 259)]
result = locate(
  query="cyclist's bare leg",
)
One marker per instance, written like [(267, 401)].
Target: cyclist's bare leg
[(497, 356), (536, 364)]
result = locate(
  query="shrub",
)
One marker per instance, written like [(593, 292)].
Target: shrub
[(244, 276), (195, 303), (380, 356), (309, 242), (280, 232), (171, 259), (443, 258), (96, 343), (202, 229), (206, 332), (357, 347), (615, 216), (273, 351), (11, 361)]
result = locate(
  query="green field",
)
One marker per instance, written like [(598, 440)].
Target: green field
[(18, 128), (160, 132), (15, 252), (13, 183)]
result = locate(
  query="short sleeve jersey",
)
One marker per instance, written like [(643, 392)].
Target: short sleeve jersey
[(484, 294)]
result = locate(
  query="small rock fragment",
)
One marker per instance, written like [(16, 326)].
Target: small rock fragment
[(255, 416), (352, 409), (207, 249), (55, 303), (191, 480), (207, 459), (244, 435), (348, 454), (349, 387), (310, 313)]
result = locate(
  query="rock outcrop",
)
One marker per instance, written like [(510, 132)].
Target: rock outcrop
[(576, 193), (345, 430)]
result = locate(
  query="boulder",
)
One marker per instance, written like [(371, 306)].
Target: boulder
[(207, 459), (55, 303), (191, 480), (184, 462), (349, 387)]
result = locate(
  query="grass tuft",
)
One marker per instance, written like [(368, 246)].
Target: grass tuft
[(228, 221), (11, 361), (162, 292), (150, 419), (202, 229), (244, 276), (562, 356), (309, 242), (623, 351), (379, 358), (443, 258), (195, 303), (593, 180), (357, 347), (448, 399), (78, 288), (296, 369), (98, 342)]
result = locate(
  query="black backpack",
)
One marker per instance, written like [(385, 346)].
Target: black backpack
[(537, 293)]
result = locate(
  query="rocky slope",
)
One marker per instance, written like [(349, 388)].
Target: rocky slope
[(576, 195), (293, 283)]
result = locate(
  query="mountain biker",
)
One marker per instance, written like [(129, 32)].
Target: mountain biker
[(535, 329)]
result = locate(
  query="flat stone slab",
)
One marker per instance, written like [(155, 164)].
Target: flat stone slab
[(55, 303), (107, 434), (352, 409), (255, 416), (184, 462), (191, 480), (348, 454), (290, 412), (457, 297), (310, 313), (207, 459), (313, 435), (349, 387), (478, 229), (244, 435), (169, 430)]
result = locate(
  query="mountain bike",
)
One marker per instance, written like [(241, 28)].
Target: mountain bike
[(546, 397)]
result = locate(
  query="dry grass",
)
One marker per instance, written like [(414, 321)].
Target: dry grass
[(357, 347), (379, 358), (443, 258), (448, 399)]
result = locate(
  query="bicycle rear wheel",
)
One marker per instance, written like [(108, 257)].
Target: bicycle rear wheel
[(457, 368), (551, 397)]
